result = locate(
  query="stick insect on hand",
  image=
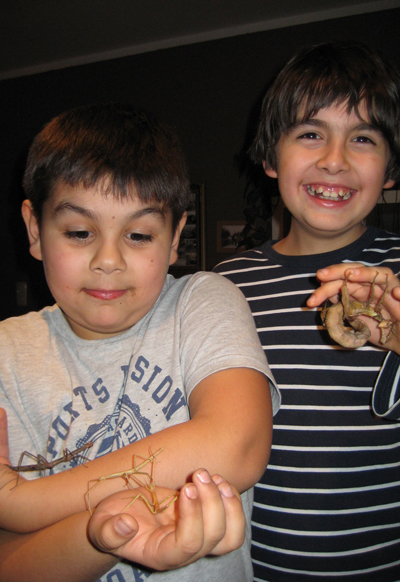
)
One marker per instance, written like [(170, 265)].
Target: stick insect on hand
[(206, 518)]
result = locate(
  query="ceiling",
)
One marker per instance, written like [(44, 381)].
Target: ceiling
[(40, 35)]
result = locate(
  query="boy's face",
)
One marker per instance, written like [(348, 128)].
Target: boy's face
[(105, 260), (331, 171)]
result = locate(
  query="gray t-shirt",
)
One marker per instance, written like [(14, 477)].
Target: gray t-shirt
[(61, 391)]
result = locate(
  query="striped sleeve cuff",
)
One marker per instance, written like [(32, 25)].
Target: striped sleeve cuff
[(386, 394)]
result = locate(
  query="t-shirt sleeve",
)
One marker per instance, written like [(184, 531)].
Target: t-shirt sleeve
[(218, 332), (386, 394), (17, 433)]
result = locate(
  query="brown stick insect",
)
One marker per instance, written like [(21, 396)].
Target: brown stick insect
[(42, 464), (357, 335), (147, 481)]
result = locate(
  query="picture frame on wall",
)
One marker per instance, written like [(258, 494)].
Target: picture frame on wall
[(228, 235), (192, 244)]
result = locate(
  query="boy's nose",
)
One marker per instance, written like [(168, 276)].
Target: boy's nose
[(333, 158), (108, 258)]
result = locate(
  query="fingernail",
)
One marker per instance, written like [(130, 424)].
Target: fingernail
[(204, 476), (191, 491), (218, 479), (123, 528), (226, 490), (323, 271)]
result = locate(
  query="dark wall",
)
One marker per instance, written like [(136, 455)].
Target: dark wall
[(208, 91)]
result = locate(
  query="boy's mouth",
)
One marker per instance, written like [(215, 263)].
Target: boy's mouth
[(105, 294), (324, 193)]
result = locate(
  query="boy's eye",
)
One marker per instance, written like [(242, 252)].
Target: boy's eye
[(77, 234), (363, 139), (140, 238), (309, 135)]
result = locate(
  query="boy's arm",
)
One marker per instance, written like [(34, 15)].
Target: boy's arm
[(229, 433), (360, 280), (41, 556), (211, 521), (61, 552), (207, 519)]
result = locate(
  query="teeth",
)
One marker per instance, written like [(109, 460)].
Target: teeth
[(343, 195)]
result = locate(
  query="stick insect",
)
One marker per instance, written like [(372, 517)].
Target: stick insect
[(334, 318), (42, 464), (155, 506)]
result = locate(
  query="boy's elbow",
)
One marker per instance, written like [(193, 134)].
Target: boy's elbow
[(233, 418), (255, 456), (252, 449), (255, 440)]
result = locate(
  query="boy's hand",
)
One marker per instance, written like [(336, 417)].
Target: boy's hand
[(207, 518), (359, 284)]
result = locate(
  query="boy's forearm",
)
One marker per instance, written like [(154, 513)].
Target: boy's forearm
[(185, 449), (232, 440), (53, 554)]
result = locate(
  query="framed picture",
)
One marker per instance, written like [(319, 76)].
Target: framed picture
[(192, 245), (228, 234)]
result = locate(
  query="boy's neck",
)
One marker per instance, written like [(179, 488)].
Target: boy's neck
[(299, 242)]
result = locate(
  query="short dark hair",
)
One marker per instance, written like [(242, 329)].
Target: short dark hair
[(110, 144), (324, 75)]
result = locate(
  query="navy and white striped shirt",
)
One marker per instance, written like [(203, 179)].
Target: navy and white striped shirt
[(328, 505)]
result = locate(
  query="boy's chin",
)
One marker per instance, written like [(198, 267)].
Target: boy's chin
[(96, 331)]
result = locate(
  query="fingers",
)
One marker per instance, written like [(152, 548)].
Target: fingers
[(202, 523), (109, 534), (368, 275), (356, 272), (189, 535), (328, 290), (235, 521), (211, 519), (213, 509), (109, 530), (333, 277), (332, 272)]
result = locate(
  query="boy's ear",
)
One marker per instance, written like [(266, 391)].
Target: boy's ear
[(175, 241), (389, 184), (269, 171), (32, 227)]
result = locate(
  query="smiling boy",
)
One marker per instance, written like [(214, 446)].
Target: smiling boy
[(130, 360), (330, 167), (327, 506)]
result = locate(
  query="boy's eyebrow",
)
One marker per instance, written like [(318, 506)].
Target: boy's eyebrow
[(154, 210), (65, 207), (362, 126)]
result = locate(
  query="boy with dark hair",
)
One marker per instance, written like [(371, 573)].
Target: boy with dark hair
[(129, 361), (327, 506)]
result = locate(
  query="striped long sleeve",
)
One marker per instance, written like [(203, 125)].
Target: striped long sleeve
[(328, 504)]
